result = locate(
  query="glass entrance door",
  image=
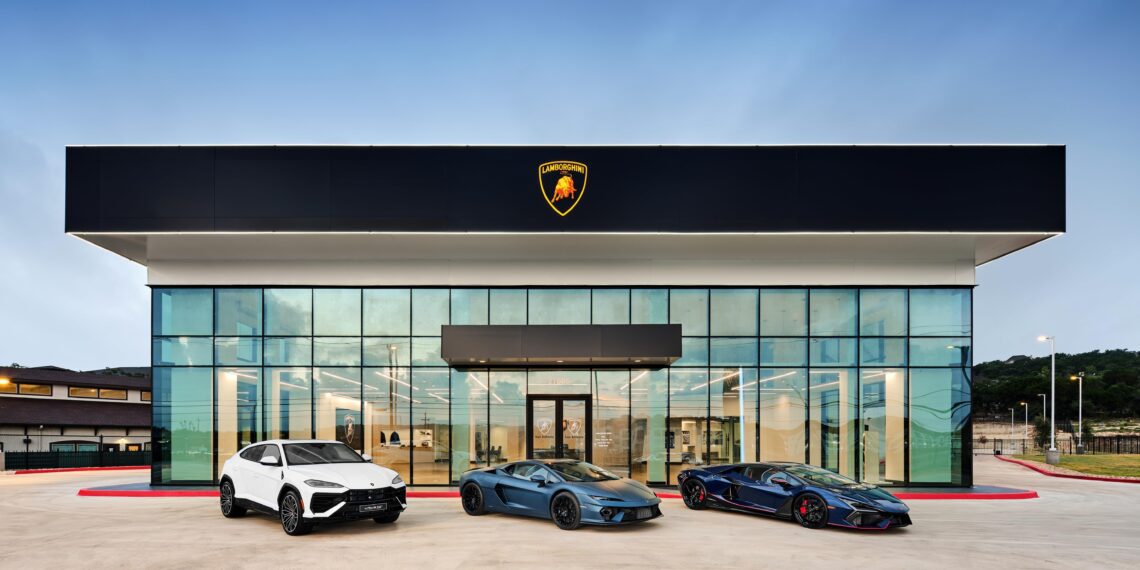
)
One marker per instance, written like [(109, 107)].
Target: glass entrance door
[(559, 427)]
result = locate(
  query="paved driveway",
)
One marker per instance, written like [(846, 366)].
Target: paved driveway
[(1075, 524)]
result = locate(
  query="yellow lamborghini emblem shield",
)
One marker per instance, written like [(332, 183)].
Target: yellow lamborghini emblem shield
[(562, 183)]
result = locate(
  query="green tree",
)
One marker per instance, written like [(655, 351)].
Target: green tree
[(1041, 431)]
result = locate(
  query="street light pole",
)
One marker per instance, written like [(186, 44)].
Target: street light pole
[(1080, 378), (1052, 457), (1011, 422), (1026, 404)]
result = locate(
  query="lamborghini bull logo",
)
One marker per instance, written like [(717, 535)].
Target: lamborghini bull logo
[(562, 183)]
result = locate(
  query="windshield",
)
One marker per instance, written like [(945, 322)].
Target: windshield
[(580, 471), (820, 476), (313, 453)]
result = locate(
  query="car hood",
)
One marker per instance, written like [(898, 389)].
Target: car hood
[(623, 489), (873, 496), (351, 475)]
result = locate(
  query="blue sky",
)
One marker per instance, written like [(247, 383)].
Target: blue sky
[(532, 72)]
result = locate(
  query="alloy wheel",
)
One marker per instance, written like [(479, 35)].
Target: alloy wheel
[(565, 511), (227, 498), (694, 494), (811, 511), (471, 499), (290, 513)]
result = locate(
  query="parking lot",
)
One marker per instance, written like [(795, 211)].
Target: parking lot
[(1072, 524)]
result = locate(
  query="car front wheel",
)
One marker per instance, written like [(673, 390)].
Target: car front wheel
[(228, 502), (694, 494), (565, 511), (810, 511), (472, 497), (293, 515)]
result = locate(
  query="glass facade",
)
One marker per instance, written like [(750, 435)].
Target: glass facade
[(873, 383)]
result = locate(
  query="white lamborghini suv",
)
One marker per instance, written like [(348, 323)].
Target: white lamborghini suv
[(307, 482)]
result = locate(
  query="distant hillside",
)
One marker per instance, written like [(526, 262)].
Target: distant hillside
[(1112, 384)]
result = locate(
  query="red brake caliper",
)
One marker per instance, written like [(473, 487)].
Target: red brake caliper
[(803, 507)]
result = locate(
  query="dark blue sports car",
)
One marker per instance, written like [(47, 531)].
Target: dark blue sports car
[(811, 496), (570, 492)]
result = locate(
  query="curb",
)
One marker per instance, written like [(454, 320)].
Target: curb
[(967, 496), (455, 494), (73, 469), (1048, 473)]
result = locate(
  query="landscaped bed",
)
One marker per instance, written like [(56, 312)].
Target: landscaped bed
[(1106, 465)]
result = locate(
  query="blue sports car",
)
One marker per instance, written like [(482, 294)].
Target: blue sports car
[(570, 492), (811, 496)]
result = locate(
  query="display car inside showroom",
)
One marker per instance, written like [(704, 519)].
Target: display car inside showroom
[(649, 309)]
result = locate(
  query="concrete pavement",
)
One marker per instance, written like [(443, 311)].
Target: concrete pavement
[(1074, 524)]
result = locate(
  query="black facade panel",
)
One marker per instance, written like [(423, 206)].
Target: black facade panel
[(628, 189), (560, 345)]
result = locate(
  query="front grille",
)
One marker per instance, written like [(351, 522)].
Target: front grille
[(639, 513), (321, 502), (363, 496)]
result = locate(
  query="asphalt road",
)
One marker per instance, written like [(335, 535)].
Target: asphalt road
[(1075, 524)]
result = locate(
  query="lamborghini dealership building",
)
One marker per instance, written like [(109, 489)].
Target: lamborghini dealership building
[(646, 308)]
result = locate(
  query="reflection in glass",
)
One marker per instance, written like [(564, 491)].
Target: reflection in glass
[(387, 351), (832, 312), (242, 351), (783, 312), (469, 433), (940, 352), (508, 306), (882, 312), (882, 351), (237, 312), (336, 312), (336, 406), (559, 381), (387, 312), (783, 352), (289, 312), (469, 306), (939, 409), (940, 312), (388, 402), (690, 309), (649, 306), (508, 416), (649, 403), (733, 312), (288, 403), (183, 351), (288, 351), (559, 307), (732, 351), (727, 387), (611, 420), (431, 443), (688, 418), (336, 351), (783, 409), (832, 352), (834, 419), (430, 309), (694, 352), (184, 423), (426, 352), (237, 393), (882, 397), (611, 307), (182, 311)]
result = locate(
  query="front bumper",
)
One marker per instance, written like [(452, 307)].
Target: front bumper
[(619, 512), (874, 520), (354, 504)]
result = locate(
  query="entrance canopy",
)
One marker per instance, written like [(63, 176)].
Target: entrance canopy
[(561, 345)]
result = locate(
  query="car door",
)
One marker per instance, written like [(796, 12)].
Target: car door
[(241, 471), (265, 480), (761, 492), (523, 495)]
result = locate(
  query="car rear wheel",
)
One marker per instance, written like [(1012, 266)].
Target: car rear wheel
[(694, 494), (472, 497), (810, 511), (565, 511), (228, 502), (293, 515), (385, 519)]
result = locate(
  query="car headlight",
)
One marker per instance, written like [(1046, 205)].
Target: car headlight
[(857, 505), (397, 480), (322, 484), (601, 498)]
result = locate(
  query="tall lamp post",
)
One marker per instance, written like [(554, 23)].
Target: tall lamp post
[(1080, 378), (1011, 422), (1026, 406), (1052, 456)]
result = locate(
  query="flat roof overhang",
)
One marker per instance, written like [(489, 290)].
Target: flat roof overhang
[(472, 346)]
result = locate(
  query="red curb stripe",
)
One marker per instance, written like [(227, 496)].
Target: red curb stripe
[(1047, 473), (144, 493), (71, 469), (967, 496)]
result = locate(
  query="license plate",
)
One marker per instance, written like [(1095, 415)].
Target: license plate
[(644, 513), (376, 507)]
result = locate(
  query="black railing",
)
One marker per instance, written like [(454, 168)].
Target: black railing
[(64, 459), (1101, 444)]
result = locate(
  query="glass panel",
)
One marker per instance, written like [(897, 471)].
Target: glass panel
[(35, 389), (733, 351), (387, 411), (834, 419), (690, 309), (883, 351), (387, 351), (882, 312), (337, 405), (688, 419), (336, 312), (649, 401), (182, 311), (469, 306), (939, 410), (508, 416), (882, 396), (508, 306), (183, 351), (783, 409), (543, 437), (288, 403), (238, 312), (9, 387), (611, 421), (940, 312), (237, 392), (574, 429), (387, 312), (611, 307), (559, 307), (289, 312), (725, 409), (833, 352), (734, 311), (694, 352), (940, 352), (430, 440), (559, 382), (832, 312), (426, 352), (430, 309), (244, 351), (468, 421), (649, 306), (79, 392), (783, 312), (288, 351), (112, 394), (783, 352), (184, 423), (334, 351)]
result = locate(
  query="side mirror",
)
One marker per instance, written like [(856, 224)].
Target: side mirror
[(538, 478), (270, 461), (366, 457), (779, 481)]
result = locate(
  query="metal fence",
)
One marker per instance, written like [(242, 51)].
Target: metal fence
[(1101, 444), (64, 459)]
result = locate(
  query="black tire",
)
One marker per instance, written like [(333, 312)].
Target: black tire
[(810, 510), (292, 515), (386, 519), (565, 511), (472, 497), (695, 495), (228, 502)]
